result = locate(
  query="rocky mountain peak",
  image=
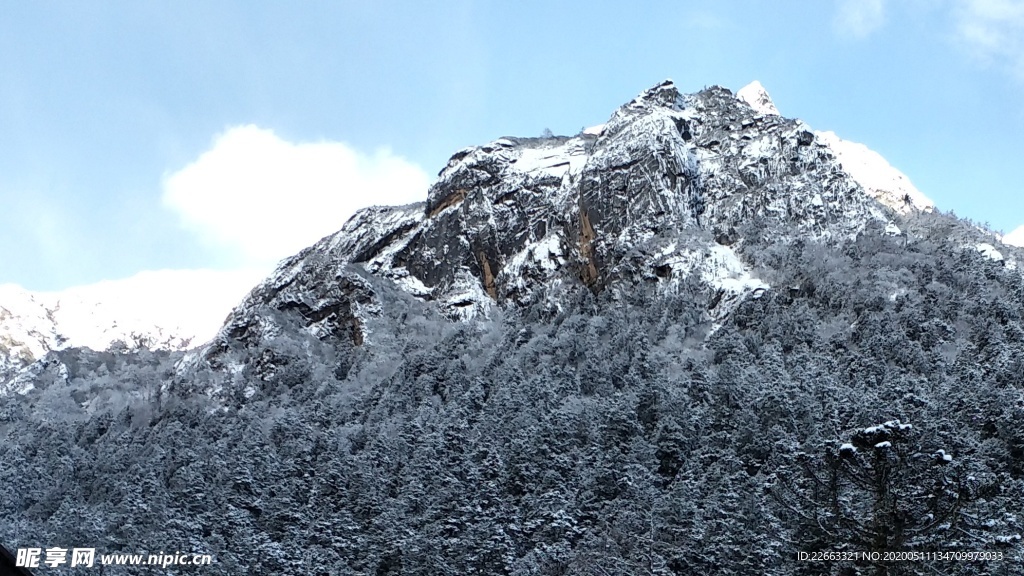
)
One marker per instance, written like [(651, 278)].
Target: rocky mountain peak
[(666, 189), (757, 97)]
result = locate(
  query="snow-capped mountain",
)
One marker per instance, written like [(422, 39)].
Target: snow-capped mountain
[(758, 98), (169, 310), (1015, 237), (664, 190)]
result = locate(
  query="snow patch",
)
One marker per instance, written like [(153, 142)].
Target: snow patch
[(989, 251), (409, 283), (569, 157), (724, 269)]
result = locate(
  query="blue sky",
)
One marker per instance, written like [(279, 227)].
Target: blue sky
[(143, 135)]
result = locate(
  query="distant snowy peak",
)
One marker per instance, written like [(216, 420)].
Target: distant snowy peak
[(757, 97), (168, 309), (882, 181), (27, 329), (1015, 238)]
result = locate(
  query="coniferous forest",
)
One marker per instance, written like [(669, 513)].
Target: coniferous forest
[(871, 400)]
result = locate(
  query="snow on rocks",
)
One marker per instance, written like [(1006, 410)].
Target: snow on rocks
[(757, 97), (879, 179), (725, 270), (655, 194), (517, 215), (568, 157)]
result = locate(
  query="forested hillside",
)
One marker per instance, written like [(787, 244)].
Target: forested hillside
[(618, 435), (618, 407)]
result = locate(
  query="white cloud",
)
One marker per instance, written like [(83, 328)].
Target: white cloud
[(859, 18), (263, 198), (1015, 238), (993, 30)]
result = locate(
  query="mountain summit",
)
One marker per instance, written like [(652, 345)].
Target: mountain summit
[(516, 220), (666, 189), (757, 97)]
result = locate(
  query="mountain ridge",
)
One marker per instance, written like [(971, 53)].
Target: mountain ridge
[(511, 220), (159, 310), (515, 218)]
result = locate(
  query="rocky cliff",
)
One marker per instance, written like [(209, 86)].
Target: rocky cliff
[(659, 192)]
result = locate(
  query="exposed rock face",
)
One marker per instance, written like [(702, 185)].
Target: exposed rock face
[(657, 193), (878, 178)]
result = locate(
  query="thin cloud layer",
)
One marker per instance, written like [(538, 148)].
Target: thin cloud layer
[(993, 30), (859, 18), (260, 198)]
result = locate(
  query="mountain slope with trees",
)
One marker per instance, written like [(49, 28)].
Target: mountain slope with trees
[(690, 344)]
